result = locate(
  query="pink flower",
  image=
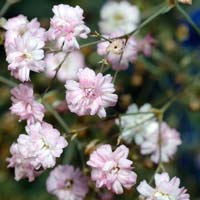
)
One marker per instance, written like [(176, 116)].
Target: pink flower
[(67, 183), (24, 159), (146, 44), (36, 151), (170, 139), (165, 189), (112, 169), (91, 94), (18, 26), (24, 104), (49, 144), (25, 54), (67, 25), (69, 68), (119, 53)]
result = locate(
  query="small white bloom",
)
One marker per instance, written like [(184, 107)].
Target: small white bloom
[(119, 16), (137, 126)]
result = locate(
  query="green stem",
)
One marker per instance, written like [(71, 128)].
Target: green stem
[(56, 115), (7, 82), (4, 8), (188, 18)]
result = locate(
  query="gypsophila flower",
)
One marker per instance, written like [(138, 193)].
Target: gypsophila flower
[(67, 183), (36, 151), (49, 143), (69, 68), (25, 54), (169, 141), (67, 26), (119, 53), (91, 94), (112, 170), (119, 16), (137, 126), (165, 189), (24, 105), (18, 26)]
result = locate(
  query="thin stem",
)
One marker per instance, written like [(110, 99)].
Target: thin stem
[(188, 18), (4, 8), (115, 76), (7, 82), (90, 43), (54, 78), (56, 115)]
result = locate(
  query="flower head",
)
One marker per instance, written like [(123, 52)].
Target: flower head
[(67, 183), (24, 105), (69, 68), (25, 54), (36, 151), (170, 140), (119, 52), (112, 169), (91, 94), (165, 189), (138, 124), (67, 25), (119, 16)]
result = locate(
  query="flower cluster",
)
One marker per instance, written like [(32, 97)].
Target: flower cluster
[(36, 151), (25, 106), (165, 189), (65, 182), (112, 169), (24, 43), (66, 26), (91, 94), (140, 125)]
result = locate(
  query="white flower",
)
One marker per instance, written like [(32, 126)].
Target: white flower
[(137, 126), (165, 189), (119, 16)]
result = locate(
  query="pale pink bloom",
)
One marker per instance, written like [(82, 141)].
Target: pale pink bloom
[(67, 25), (24, 159), (170, 140), (24, 105), (68, 71), (67, 183), (36, 151), (112, 170), (146, 44), (126, 53), (164, 189), (91, 94), (25, 55), (49, 144), (18, 26)]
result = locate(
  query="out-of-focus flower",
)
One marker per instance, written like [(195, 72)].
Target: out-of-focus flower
[(66, 26), (25, 54), (169, 141), (68, 71), (36, 151), (137, 124), (145, 45), (119, 53), (185, 1), (18, 26), (112, 169), (119, 16), (165, 189), (67, 183), (24, 105), (91, 94)]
